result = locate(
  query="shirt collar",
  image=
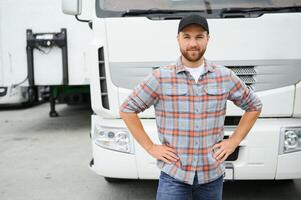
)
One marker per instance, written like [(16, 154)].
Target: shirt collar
[(180, 67)]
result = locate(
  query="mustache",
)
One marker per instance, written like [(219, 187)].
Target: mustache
[(193, 49)]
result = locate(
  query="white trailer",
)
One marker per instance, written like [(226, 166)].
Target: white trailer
[(259, 40), (40, 46), (9, 94)]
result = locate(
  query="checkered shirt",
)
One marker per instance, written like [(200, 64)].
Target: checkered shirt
[(190, 116)]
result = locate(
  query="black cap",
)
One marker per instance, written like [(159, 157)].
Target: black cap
[(193, 19)]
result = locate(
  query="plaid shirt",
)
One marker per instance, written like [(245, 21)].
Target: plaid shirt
[(190, 116)]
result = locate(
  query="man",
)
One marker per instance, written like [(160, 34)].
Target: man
[(190, 105)]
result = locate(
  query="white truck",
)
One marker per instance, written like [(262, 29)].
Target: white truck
[(42, 50), (259, 40)]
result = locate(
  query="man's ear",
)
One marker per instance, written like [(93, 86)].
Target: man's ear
[(178, 37)]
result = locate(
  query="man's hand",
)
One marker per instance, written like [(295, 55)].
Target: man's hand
[(164, 153), (160, 152), (223, 149)]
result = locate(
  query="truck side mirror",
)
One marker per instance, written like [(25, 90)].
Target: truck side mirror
[(72, 7)]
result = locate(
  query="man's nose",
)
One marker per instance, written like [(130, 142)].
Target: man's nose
[(192, 43)]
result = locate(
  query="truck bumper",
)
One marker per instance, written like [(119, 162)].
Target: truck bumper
[(113, 164), (258, 156), (289, 166)]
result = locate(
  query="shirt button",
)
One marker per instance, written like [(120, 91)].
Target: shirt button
[(196, 142), (197, 126), (197, 110), (200, 91)]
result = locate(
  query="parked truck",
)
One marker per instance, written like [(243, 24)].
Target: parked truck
[(42, 54), (259, 40)]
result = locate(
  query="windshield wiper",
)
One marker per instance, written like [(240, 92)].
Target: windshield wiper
[(238, 10), (137, 12)]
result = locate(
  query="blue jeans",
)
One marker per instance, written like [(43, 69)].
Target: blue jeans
[(173, 189)]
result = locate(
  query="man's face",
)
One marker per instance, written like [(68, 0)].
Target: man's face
[(193, 41)]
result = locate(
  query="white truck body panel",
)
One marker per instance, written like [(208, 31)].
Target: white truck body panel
[(41, 16), (297, 105), (14, 95), (257, 48), (260, 46), (1, 53), (289, 166)]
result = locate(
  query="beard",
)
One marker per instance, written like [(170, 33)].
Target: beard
[(193, 55)]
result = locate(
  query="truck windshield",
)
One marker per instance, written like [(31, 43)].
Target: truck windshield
[(211, 8)]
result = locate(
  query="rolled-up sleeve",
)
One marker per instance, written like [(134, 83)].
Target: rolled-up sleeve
[(143, 96), (242, 96)]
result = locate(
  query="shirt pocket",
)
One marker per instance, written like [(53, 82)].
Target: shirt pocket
[(178, 90), (216, 97), (175, 98)]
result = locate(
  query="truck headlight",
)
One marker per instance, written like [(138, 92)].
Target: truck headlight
[(114, 139), (290, 139)]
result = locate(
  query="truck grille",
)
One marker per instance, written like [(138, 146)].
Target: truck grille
[(103, 79), (246, 74)]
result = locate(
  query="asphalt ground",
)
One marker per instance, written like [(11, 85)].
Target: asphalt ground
[(43, 158)]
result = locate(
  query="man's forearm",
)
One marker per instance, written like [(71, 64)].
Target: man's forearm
[(134, 125), (160, 152), (245, 124), (226, 147)]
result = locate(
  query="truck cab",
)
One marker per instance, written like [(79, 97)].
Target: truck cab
[(258, 40)]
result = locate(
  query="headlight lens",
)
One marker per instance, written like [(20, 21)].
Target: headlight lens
[(114, 139), (291, 139)]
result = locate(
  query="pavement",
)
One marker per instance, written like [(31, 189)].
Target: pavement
[(43, 158)]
